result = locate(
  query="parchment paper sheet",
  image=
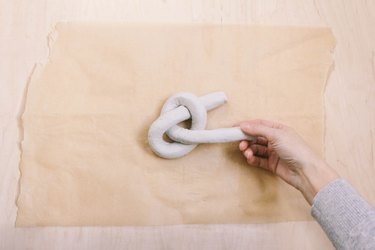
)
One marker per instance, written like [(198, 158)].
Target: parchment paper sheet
[(85, 158)]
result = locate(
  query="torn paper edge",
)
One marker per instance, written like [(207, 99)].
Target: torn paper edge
[(36, 71)]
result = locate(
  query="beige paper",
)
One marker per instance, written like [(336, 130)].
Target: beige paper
[(85, 158)]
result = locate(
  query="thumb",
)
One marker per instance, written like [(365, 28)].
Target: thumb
[(257, 130)]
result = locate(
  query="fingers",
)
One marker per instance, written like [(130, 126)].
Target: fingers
[(257, 130), (258, 162), (259, 150), (243, 145), (261, 140), (267, 123), (254, 149), (256, 155), (254, 160), (261, 128)]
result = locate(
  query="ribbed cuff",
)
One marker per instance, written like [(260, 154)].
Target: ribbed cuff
[(338, 208)]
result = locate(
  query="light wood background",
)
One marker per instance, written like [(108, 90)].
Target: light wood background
[(349, 98)]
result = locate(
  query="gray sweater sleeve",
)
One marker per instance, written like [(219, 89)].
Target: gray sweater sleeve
[(347, 219)]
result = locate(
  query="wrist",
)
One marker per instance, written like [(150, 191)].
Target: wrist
[(314, 177)]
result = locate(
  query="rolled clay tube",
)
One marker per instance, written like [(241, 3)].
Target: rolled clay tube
[(184, 106)]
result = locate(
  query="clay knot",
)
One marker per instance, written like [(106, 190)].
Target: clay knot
[(181, 107)]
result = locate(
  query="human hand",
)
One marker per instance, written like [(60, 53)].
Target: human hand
[(279, 149)]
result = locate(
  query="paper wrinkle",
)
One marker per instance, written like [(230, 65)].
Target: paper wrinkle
[(85, 159)]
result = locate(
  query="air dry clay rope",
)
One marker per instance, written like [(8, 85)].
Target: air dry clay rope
[(184, 106)]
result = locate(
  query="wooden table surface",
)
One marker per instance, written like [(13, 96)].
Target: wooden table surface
[(349, 104)]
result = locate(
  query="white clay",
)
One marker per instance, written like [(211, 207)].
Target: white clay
[(184, 106)]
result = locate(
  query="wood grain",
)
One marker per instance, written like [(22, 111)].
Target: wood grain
[(349, 102)]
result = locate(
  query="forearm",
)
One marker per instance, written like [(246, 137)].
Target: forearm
[(347, 219)]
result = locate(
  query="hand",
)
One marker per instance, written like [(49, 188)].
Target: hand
[(281, 150)]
